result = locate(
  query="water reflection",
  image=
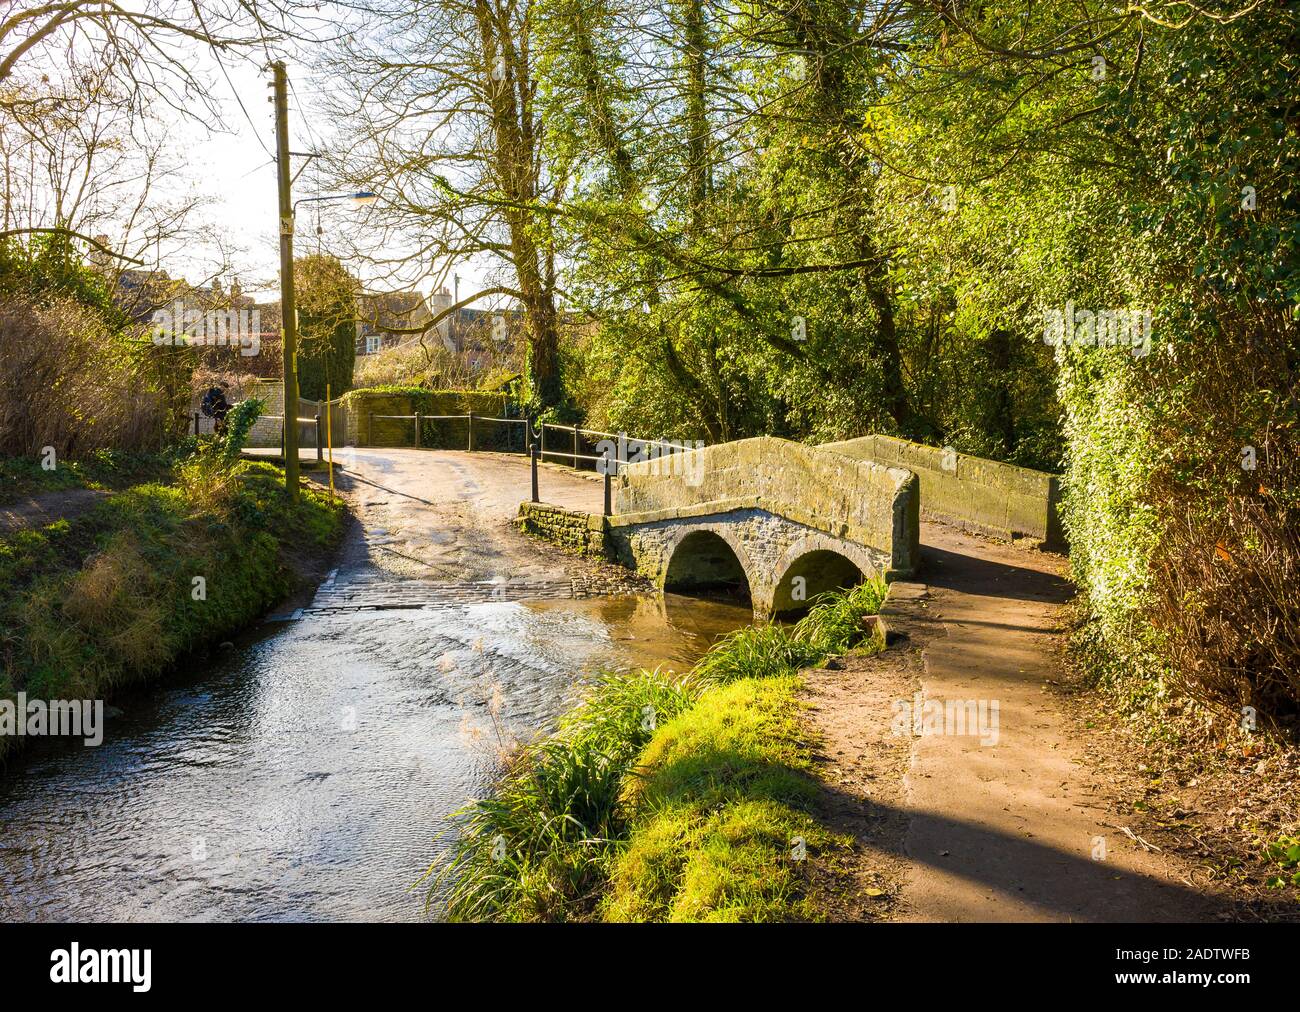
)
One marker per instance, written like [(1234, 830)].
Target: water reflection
[(305, 774)]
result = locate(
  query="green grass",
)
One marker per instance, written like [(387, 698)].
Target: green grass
[(834, 622), (1283, 856), (538, 849), (664, 797), (107, 599), (722, 798), (21, 477)]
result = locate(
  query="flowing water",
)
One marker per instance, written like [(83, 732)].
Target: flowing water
[(307, 773)]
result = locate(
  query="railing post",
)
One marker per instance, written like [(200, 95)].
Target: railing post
[(320, 450), (533, 454), (575, 447), (417, 430), (470, 416), (608, 498)]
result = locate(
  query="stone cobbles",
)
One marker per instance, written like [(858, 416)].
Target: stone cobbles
[(379, 592)]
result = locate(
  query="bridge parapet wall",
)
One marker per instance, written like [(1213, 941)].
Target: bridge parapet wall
[(986, 495), (857, 500)]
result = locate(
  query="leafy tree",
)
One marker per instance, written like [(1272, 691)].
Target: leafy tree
[(47, 268), (327, 326)]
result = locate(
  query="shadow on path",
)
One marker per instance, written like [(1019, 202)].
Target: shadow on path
[(1060, 884), (973, 574)]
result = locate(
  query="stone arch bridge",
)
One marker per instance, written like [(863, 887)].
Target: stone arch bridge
[(784, 521), (779, 520)]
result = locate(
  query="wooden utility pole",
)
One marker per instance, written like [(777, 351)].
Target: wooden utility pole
[(288, 302)]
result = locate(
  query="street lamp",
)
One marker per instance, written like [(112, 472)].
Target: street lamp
[(361, 198)]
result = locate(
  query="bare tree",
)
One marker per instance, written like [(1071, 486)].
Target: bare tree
[(440, 118), (82, 160)]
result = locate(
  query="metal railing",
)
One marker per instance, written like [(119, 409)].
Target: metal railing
[(624, 447), (313, 421), (623, 443), (535, 447)]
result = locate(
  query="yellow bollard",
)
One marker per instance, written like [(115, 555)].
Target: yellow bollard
[(329, 436)]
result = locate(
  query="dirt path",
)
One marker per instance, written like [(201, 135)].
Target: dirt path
[(45, 508), (1008, 825)]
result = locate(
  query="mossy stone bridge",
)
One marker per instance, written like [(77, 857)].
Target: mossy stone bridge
[(783, 521)]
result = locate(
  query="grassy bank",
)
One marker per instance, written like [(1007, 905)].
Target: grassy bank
[(104, 470), (667, 797), (118, 594)]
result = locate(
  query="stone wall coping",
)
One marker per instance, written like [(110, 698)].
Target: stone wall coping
[(595, 521), (767, 445), (717, 507), (839, 446)]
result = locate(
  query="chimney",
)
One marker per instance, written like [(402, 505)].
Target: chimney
[(98, 258)]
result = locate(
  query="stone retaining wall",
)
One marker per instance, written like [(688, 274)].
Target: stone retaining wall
[(365, 429), (581, 533)]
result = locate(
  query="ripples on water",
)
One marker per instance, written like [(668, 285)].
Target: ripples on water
[(305, 774)]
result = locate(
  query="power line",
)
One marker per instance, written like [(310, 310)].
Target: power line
[(242, 109)]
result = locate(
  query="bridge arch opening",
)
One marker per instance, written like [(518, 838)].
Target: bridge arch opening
[(813, 573), (704, 564)]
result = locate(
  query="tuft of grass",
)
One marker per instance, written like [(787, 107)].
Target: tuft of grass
[(833, 624), (663, 797), (537, 849), (723, 828), (756, 651)]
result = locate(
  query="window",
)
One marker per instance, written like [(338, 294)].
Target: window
[(372, 343)]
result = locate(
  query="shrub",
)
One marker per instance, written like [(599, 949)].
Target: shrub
[(425, 362), (327, 323), (68, 381)]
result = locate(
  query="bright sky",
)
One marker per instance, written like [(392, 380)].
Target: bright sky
[(234, 169)]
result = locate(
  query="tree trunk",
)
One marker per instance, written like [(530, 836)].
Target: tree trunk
[(514, 155)]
